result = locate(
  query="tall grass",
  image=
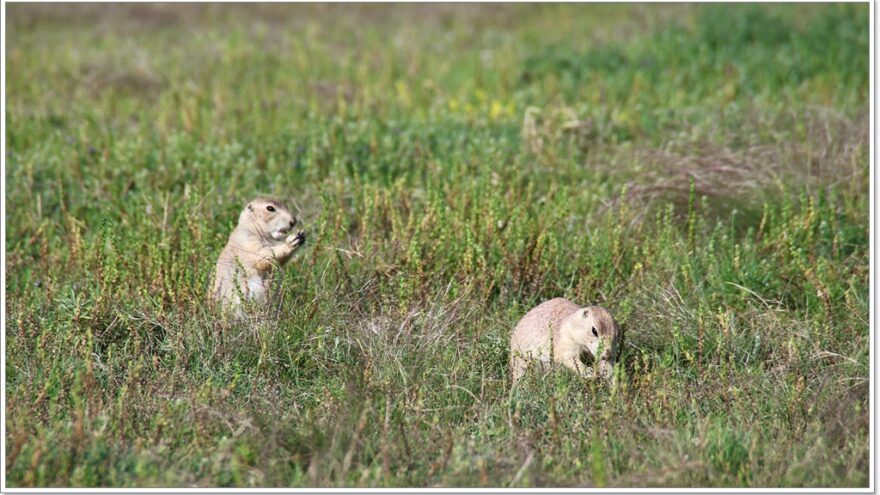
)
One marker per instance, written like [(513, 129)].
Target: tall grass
[(700, 170)]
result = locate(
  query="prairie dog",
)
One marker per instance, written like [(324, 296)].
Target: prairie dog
[(559, 331), (261, 240)]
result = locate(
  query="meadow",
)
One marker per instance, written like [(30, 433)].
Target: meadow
[(700, 170)]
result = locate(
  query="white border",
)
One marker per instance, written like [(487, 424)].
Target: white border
[(872, 297)]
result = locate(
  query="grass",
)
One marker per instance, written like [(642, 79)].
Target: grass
[(700, 170)]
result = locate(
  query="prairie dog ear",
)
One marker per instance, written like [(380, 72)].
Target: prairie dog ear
[(250, 207), (586, 313)]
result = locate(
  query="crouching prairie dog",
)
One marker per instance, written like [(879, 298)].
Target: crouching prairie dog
[(559, 331), (262, 240)]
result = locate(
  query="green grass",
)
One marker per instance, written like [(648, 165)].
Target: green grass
[(700, 170)]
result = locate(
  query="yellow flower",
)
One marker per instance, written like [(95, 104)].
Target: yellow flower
[(496, 110), (403, 93)]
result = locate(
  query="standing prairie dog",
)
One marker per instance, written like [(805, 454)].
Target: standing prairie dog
[(559, 331), (261, 240)]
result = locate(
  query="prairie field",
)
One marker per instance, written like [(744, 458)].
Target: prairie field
[(700, 170)]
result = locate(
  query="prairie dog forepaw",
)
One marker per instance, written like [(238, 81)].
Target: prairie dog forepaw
[(296, 239)]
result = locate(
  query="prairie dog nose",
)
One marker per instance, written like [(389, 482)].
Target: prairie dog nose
[(293, 222)]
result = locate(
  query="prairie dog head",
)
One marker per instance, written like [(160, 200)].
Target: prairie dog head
[(594, 328), (267, 218)]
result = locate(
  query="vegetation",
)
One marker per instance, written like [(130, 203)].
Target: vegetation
[(702, 171)]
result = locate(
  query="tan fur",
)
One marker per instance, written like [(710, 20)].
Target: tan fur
[(559, 331), (261, 241)]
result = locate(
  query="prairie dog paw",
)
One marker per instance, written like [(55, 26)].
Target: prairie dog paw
[(296, 239)]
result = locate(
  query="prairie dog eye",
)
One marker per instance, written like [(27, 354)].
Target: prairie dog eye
[(595, 333), (270, 208)]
